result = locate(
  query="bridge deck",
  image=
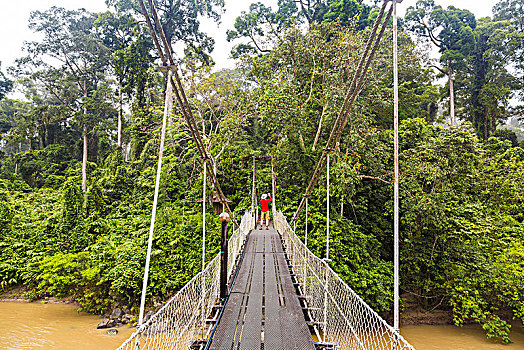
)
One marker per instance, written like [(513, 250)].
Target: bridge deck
[(263, 310)]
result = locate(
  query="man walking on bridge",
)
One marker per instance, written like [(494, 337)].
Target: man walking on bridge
[(264, 203)]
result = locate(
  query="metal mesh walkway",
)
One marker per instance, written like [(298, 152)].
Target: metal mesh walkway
[(344, 321), (263, 310), (181, 320)]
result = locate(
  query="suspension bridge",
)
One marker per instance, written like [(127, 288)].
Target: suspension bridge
[(266, 289)]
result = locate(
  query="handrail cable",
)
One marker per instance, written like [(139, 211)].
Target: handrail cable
[(351, 96)]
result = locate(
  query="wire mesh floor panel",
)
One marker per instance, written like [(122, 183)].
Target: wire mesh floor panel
[(252, 330), (272, 325), (263, 310), (296, 333), (234, 309)]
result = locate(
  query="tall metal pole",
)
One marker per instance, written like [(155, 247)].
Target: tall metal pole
[(155, 202), (204, 218), (305, 253), (204, 246), (307, 213), (254, 199), (395, 189), (326, 259), (273, 184), (327, 212), (224, 218), (253, 195)]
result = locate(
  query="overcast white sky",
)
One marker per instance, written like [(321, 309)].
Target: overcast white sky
[(15, 14)]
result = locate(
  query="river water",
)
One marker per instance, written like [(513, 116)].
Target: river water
[(54, 326), (469, 337)]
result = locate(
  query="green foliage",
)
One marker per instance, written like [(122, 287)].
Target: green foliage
[(45, 168), (265, 28), (462, 204), (6, 211)]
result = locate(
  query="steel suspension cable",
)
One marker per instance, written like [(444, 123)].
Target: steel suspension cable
[(182, 100), (189, 114), (155, 39), (361, 80), (351, 96), (165, 63), (327, 210), (186, 112), (357, 74)]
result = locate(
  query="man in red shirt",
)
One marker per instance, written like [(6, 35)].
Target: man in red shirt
[(264, 203)]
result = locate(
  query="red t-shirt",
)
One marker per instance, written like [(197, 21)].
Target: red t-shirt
[(265, 203)]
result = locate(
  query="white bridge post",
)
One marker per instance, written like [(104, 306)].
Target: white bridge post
[(204, 248), (167, 109), (396, 170), (326, 259)]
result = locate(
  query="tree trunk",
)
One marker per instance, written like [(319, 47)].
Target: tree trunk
[(341, 208), (84, 161), (485, 123), (119, 141), (493, 124), (42, 135), (451, 96), (169, 96), (84, 153), (319, 128), (301, 141)]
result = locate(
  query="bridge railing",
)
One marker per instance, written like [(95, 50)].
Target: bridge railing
[(181, 320), (343, 318)]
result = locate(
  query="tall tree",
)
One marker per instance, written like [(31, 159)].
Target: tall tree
[(117, 32), (70, 61), (450, 30), (262, 27), (488, 81), (12, 132), (513, 12)]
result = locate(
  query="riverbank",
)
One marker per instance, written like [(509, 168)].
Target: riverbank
[(410, 316), (20, 295), (418, 316)]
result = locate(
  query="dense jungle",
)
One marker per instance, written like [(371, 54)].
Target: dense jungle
[(79, 148)]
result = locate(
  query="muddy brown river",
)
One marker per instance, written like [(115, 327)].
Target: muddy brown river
[(459, 338), (54, 326)]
